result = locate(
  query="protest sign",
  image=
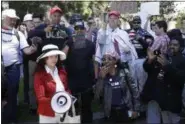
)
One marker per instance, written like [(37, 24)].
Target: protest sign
[(151, 8)]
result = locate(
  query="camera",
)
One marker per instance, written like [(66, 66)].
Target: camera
[(157, 52), (56, 27)]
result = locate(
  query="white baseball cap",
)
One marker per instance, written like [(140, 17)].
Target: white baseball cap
[(28, 17), (10, 13)]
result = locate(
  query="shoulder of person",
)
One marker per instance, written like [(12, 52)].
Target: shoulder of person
[(123, 31), (62, 71), (41, 26), (128, 30), (18, 34)]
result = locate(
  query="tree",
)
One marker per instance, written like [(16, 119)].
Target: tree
[(167, 9), (85, 8), (179, 19)]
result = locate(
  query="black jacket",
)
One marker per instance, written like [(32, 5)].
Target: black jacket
[(168, 94)]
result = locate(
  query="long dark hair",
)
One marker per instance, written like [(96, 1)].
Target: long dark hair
[(42, 62)]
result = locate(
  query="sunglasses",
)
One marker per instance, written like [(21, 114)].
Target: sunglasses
[(137, 22)]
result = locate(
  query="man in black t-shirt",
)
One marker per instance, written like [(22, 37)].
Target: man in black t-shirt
[(79, 66)]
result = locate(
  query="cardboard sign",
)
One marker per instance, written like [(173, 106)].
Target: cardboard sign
[(152, 8)]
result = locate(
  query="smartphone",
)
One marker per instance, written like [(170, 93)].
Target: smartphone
[(157, 52)]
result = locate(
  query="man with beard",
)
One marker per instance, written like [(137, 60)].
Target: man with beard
[(79, 66), (13, 42)]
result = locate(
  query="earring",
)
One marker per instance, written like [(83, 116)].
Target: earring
[(115, 66)]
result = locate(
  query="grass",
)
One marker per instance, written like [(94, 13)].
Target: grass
[(23, 109)]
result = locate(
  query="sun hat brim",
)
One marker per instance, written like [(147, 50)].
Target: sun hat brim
[(51, 53)]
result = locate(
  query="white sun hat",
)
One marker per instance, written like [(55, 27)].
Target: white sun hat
[(10, 13), (50, 50), (28, 17)]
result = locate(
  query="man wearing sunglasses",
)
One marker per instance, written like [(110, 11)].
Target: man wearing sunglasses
[(79, 66), (137, 36)]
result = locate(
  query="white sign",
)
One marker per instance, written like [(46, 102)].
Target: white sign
[(152, 8)]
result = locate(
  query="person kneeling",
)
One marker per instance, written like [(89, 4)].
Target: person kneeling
[(117, 87)]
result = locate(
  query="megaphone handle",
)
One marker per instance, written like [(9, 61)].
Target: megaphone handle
[(73, 110), (63, 117), (80, 103)]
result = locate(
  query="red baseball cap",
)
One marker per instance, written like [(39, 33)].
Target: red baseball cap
[(55, 9), (115, 13)]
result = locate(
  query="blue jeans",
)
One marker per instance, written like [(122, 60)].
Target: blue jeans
[(155, 115), (13, 76)]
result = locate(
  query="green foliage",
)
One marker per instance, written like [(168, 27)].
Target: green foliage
[(179, 19), (167, 8), (86, 8)]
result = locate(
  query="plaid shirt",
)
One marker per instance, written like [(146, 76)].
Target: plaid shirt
[(161, 43)]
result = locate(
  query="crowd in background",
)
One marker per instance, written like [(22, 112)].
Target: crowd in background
[(134, 73)]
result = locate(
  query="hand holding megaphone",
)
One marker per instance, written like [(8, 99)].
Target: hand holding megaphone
[(61, 102)]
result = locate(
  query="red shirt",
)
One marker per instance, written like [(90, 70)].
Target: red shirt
[(45, 88)]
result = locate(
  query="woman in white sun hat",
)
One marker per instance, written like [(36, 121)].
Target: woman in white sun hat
[(49, 78)]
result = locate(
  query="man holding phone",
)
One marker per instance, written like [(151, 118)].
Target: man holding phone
[(163, 89)]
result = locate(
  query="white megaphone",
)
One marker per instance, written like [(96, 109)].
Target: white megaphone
[(61, 102)]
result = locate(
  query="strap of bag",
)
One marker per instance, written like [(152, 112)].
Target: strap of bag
[(18, 38), (17, 35)]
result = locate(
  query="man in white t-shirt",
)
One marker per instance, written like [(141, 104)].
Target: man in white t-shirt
[(13, 42)]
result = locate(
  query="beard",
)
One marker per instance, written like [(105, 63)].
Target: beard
[(8, 27)]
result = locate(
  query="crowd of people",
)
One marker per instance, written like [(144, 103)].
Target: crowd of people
[(132, 73)]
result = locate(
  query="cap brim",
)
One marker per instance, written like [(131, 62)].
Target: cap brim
[(15, 17), (51, 53), (114, 15), (57, 10)]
